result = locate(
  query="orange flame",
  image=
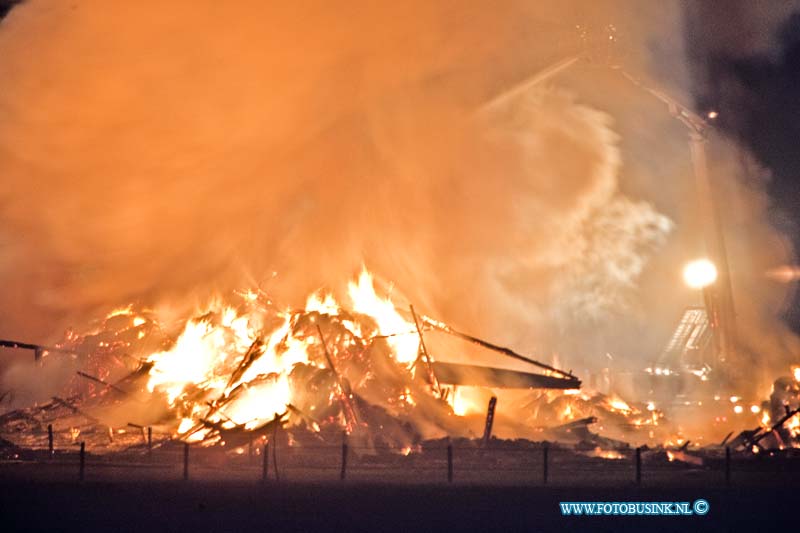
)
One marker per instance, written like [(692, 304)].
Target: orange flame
[(200, 367)]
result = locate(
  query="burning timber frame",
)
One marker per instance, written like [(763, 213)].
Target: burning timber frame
[(352, 404), (438, 372)]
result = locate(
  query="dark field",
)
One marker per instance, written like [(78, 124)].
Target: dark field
[(489, 493), (236, 506)]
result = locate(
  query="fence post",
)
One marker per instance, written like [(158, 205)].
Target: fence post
[(487, 429), (265, 463), (638, 465), (449, 461), (275, 421), (344, 456), (149, 440), (186, 461), (82, 461), (50, 439), (545, 461), (727, 465)]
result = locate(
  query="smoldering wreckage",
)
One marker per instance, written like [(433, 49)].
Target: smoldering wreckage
[(246, 372), (242, 375)]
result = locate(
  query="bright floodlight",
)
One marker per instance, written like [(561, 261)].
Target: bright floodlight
[(700, 273)]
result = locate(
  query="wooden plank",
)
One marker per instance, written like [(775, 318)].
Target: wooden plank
[(484, 376)]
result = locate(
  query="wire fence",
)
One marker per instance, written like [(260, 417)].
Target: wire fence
[(158, 457)]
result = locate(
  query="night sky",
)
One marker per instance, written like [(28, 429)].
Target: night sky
[(756, 94), (5, 6)]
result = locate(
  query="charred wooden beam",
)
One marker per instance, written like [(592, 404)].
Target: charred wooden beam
[(487, 430), (255, 351), (483, 376), (743, 438), (74, 409), (756, 438), (576, 429), (580, 423), (101, 382), (424, 352), (38, 349), (579, 430), (344, 388), (276, 423), (501, 349), (310, 420)]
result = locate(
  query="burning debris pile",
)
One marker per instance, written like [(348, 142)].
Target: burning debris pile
[(234, 373), (237, 373), (779, 426)]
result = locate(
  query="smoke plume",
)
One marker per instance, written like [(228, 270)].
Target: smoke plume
[(160, 152)]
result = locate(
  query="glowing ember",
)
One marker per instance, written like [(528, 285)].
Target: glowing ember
[(120, 311), (678, 455), (619, 405), (605, 454)]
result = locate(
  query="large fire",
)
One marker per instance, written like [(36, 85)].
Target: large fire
[(238, 369), (243, 366)]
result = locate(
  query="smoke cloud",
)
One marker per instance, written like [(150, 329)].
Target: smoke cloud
[(159, 153)]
